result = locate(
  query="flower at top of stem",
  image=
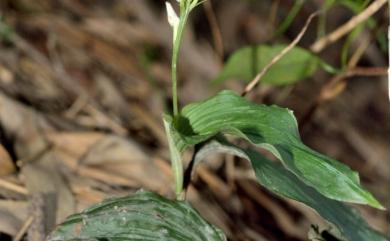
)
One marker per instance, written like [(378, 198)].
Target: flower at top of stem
[(173, 19), (186, 6)]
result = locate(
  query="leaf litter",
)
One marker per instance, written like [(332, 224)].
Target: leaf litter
[(80, 118)]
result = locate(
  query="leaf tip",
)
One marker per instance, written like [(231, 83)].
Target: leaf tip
[(373, 202), (376, 204)]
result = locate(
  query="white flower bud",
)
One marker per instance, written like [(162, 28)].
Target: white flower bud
[(173, 19)]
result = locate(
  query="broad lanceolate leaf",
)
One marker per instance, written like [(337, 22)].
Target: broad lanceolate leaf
[(139, 217), (274, 129), (279, 180), (247, 62)]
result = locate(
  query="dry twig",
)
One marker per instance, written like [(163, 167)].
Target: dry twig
[(367, 71), (258, 77), (337, 84), (13, 187), (322, 43), (24, 228)]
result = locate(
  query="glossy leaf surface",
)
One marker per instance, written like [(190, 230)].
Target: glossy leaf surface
[(274, 129), (142, 216)]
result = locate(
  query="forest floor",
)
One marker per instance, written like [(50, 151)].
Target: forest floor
[(83, 85)]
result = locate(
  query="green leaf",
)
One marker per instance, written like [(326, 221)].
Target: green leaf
[(279, 180), (247, 62), (274, 129), (176, 161), (139, 217)]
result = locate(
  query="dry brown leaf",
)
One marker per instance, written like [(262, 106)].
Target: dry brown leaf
[(74, 143), (24, 125), (6, 76), (112, 159), (125, 158), (6, 165), (40, 166), (43, 177), (107, 28), (12, 216)]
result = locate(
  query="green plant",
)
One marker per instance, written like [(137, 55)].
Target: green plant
[(303, 174)]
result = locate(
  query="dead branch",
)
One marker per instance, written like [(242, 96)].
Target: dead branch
[(322, 43), (258, 77)]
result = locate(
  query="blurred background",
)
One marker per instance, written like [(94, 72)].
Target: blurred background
[(84, 83)]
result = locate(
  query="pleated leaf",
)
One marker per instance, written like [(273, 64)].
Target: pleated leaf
[(279, 180), (274, 129), (142, 216)]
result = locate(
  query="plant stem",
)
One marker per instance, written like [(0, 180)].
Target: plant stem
[(174, 79), (178, 24), (175, 56), (176, 162)]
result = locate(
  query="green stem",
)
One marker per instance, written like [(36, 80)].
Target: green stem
[(174, 80), (176, 162), (175, 56), (177, 165)]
